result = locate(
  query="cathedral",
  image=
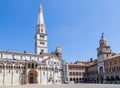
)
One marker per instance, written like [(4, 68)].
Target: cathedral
[(20, 68)]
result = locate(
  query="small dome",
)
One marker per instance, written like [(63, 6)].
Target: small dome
[(58, 49), (102, 40)]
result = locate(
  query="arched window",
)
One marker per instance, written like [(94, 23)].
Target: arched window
[(28, 65), (76, 73), (32, 65), (70, 73), (73, 73), (41, 52), (79, 73)]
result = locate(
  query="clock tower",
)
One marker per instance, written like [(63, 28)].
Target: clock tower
[(103, 52)]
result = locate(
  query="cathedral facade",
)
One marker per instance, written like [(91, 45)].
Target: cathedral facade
[(20, 68)]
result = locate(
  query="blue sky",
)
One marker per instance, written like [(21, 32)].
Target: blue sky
[(75, 25)]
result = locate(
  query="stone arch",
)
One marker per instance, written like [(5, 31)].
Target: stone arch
[(107, 78), (77, 80), (112, 78), (32, 76), (117, 78), (74, 80), (71, 79)]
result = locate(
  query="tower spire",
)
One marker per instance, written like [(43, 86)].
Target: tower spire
[(40, 16)]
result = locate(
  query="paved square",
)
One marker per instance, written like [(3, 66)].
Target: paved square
[(67, 86)]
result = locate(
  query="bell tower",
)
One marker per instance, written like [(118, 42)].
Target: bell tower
[(40, 36)]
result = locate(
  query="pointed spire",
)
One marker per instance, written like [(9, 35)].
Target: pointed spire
[(40, 16)]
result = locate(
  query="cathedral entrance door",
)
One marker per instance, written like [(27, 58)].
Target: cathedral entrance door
[(32, 76), (31, 80)]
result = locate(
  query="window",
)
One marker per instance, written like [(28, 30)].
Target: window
[(1, 55), (42, 51), (41, 30), (42, 36), (73, 73), (41, 25), (30, 57), (110, 63), (42, 43), (56, 70), (21, 57), (70, 73), (76, 73), (28, 65), (32, 65), (79, 73), (49, 63), (57, 63), (43, 73), (13, 56)]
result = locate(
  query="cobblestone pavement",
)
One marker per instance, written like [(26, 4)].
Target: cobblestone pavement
[(67, 86)]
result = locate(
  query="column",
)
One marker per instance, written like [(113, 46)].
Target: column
[(12, 74), (4, 73), (20, 76), (41, 74), (47, 74), (53, 76)]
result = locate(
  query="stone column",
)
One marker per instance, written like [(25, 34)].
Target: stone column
[(53, 76), (47, 74), (12, 74), (41, 74), (20, 76), (4, 73)]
